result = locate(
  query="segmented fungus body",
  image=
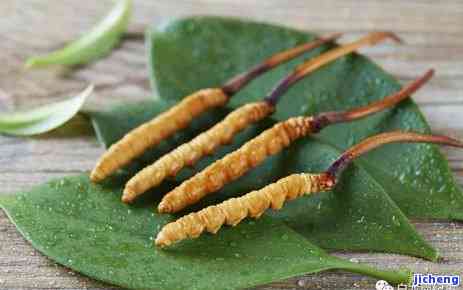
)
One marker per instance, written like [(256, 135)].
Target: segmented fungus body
[(235, 164), (241, 118), (180, 116), (255, 203), (234, 210), (270, 142), (188, 153), (153, 132)]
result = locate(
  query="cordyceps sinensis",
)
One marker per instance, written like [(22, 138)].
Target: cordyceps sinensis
[(178, 117), (254, 204), (270, 142), (223, 132)]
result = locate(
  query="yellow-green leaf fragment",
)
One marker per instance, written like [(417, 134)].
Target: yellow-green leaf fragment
[(44, 118), (92, 45)]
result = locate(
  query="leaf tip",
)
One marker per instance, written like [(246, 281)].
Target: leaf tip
[(31, 63), (89, 90), (40, 61)]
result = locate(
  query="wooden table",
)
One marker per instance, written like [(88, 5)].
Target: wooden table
[(433, 32)]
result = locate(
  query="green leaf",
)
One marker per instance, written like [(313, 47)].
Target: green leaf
[(86, 228), (44, 118), (359, 215), (417, 177), (92, 45)]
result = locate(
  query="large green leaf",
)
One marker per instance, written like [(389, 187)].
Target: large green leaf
[(359, 216), (85, 227), (416, 177)]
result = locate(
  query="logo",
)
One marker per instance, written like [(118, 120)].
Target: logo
[(425, 282), (431, 279)]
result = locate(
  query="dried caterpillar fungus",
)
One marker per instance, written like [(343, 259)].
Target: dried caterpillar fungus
[(188, 153), (270, 142), (153, 132), (180, 116), (223, 132), (235, 164), (255, 203), (234, 210)]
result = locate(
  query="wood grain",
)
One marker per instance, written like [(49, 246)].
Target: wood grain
[(433, 38)]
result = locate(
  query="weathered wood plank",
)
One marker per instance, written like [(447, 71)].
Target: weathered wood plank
[(409, 16), (125, 72)]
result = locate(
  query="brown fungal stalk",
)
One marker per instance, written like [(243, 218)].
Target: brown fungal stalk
[(238, 82), (270, 142), (315, 63), (223, 132), (151, 133), (254, 204)]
